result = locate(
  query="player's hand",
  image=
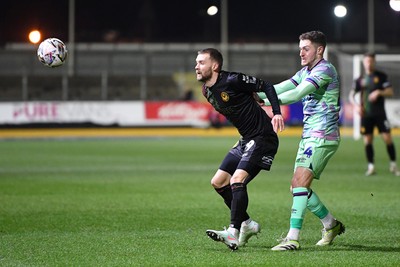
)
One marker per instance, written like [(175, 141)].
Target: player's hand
[(359, 110), (373, 96), (278, 123)]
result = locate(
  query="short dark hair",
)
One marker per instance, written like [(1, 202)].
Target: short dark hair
[(369, 54), (315, 37), (214, 55)]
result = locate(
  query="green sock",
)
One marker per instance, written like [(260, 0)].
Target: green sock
[(315, 205), (300, 196)]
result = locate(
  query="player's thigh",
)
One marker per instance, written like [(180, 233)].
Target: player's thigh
[(315, 153), (260, 151), (367, 125), (383, 125), (232, 158), (226, 169)]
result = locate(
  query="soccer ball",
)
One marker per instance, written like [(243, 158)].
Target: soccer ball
[(52, 52)]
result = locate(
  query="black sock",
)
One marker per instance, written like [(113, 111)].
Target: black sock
[(391, 151), (369, 150), (226, 193), (240, 202)]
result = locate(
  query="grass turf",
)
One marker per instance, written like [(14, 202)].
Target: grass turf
[(148, 202)]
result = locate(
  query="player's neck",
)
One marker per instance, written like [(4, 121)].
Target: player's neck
[(316, 61), (212, 80), (369, 71)]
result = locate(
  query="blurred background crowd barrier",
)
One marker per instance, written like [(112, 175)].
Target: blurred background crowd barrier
[(159, 72)]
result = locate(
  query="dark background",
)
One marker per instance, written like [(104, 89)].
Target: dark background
[(187, 21)]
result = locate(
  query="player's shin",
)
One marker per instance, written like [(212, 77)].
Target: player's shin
[(240, 202), (316, 206), (300, 195), (226, 193)]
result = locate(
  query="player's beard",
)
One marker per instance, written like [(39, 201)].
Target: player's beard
[(309, 61), (205, 76)]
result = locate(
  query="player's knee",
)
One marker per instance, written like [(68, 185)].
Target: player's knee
[(220, 179), (218, 183)]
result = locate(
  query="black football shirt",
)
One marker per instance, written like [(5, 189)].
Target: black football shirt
[(232, 96)]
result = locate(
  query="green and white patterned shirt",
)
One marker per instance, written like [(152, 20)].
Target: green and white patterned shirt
[(319, 91)]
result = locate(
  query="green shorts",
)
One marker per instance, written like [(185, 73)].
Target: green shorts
[(314, 153)]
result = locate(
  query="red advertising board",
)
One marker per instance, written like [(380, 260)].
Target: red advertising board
[(177, 111), (186, 111)]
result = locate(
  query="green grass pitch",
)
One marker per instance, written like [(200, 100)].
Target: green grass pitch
[(148, 202)]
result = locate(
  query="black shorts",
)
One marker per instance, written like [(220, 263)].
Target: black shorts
[(251, 155), (369, 123)]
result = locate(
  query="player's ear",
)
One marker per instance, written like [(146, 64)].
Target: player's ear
[(215, 66), (320, 50)]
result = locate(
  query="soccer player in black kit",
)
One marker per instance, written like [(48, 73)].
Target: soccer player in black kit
[(374, 86), (231, 94)]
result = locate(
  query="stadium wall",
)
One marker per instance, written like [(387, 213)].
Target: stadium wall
[(142, 113), (114, 84), (119, 113)]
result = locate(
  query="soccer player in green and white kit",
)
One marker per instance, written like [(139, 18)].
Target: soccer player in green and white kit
[(317, 86)]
